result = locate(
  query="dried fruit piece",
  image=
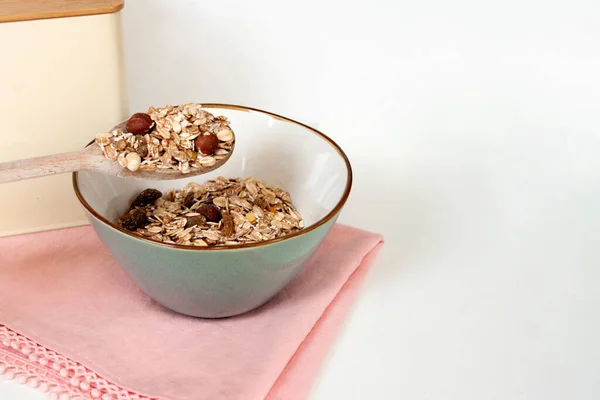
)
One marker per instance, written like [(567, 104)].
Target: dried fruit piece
[(142, 149), (189, 200), (261, 202), (210, 212), (146, 197), (198, 220), (227, 225), (207, 144), (139, 123), (135, 219)]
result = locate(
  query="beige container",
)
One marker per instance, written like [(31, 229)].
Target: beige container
[(61, 82)]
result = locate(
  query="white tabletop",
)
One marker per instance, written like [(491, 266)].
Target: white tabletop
[(474, 133)]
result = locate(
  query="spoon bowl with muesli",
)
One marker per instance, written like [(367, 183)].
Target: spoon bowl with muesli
[(164, 143), (226, 242)]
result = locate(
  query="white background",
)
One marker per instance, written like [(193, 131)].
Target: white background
[(473, 130)]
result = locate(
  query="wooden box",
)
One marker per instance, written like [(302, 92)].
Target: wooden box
[(62, 80)]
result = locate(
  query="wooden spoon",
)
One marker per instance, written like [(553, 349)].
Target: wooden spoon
[(91, 158)]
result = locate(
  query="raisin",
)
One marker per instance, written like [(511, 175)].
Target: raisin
[(198, 220), (146, 197), (210, 212), (189, 200), (227, 225), (135, 219)]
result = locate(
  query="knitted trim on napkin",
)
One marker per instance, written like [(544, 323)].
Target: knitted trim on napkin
[(61, 378)]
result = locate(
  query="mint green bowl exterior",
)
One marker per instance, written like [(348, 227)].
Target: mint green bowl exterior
[(216, 282)]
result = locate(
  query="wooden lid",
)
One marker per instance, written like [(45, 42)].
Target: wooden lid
[(26, 10)]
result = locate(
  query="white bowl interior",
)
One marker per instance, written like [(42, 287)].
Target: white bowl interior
[(275, 151)]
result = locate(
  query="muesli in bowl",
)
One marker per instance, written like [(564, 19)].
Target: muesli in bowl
[(220, 212)]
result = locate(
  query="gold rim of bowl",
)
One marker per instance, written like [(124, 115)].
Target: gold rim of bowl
[(306, 230)]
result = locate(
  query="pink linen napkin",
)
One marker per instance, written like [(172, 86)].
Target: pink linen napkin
[(74, 325)]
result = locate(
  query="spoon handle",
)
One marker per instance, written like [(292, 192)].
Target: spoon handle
[(46, 165)]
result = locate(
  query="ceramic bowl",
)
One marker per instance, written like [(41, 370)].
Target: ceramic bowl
[(214, 282)]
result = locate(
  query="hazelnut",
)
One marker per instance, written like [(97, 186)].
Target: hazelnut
[(139, 123), (210, 212), (207, 144)]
